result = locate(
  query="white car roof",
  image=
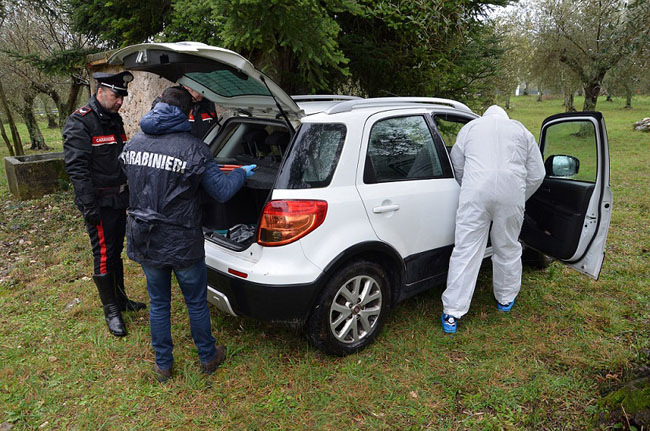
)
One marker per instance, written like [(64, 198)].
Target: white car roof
[(359, 109)]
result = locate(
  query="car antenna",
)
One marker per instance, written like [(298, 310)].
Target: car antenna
[(284, 115)]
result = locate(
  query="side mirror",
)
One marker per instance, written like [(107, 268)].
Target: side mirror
[(560, 165)]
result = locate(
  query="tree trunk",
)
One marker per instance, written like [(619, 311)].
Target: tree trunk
[(27, 112), (525, 89), (628, 97), (591, 96), (508, 101), (65, 107), (6, 138), (540, 93), (70, 104), (15, 136), (52, 122), (568, 102)]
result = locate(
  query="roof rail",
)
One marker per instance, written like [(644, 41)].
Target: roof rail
[(322, 97), (385, 101)]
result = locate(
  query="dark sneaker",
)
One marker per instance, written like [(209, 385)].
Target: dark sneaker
[(162, 375), (211, 366), (449, 323), (505, 308)]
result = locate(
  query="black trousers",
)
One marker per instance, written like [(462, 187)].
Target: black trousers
[(107, 240)]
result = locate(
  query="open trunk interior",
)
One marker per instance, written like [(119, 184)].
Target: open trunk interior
[(244, 141)]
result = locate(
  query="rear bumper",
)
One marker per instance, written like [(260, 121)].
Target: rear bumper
[(284, 303)]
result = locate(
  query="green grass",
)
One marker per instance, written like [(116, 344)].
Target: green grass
[(568, 340)]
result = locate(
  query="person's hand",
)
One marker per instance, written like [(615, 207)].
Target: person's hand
[(249, 170), (91, 216)]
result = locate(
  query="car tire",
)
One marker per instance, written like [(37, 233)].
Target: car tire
[(535, 259), (351, 309)]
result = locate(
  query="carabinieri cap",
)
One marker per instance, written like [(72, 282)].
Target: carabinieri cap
[(118, 82)]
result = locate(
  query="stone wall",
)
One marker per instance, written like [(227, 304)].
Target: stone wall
[(142, 91)]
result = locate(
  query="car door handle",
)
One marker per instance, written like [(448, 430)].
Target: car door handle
[(385, 208)]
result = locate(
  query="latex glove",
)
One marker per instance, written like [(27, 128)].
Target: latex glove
[(249, 170), (91, 216)]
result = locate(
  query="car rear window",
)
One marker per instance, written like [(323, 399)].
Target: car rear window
[(229, 84), (313, 157)]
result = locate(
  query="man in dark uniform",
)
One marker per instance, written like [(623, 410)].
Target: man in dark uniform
[(166, 168), (203, 115), (93, 138)]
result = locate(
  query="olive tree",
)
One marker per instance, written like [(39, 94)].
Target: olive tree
[(628, 77), (592, 36), (515, 65), (40, 48), (19, 77)]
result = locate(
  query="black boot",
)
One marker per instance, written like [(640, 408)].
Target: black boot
[(107, 293), (122, 300)]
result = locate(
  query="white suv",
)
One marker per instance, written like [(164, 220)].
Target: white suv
[(353, 206)]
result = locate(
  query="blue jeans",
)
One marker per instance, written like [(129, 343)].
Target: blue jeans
[(193, 284)]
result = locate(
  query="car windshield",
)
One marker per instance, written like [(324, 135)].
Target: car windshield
[(313, 157)]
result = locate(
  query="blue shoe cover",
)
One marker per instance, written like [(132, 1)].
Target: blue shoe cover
[(449, 323), (505, 308)]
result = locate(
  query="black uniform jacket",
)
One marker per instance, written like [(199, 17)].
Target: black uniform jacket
[(202, 118), (92, 141)]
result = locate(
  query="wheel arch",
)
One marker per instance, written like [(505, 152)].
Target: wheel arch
[(375, 251)]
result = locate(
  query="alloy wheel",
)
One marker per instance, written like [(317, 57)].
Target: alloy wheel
[(355, 310)]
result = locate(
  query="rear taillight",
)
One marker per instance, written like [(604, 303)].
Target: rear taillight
[(285, 221)]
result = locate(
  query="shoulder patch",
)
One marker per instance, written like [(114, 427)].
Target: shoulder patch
[(83, 110)]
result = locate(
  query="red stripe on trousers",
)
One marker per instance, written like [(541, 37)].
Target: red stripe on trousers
[(102, 249)]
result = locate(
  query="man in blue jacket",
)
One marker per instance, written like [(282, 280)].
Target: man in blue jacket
[(166, 166)]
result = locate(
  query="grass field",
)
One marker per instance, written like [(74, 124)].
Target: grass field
[(544, 366)]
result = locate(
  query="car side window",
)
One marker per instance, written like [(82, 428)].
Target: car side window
[(448, 127), (401, 149), (570, 151)]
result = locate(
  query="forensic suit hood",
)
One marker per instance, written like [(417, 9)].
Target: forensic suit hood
[(497, 156), (499, 166), (496, 111)]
